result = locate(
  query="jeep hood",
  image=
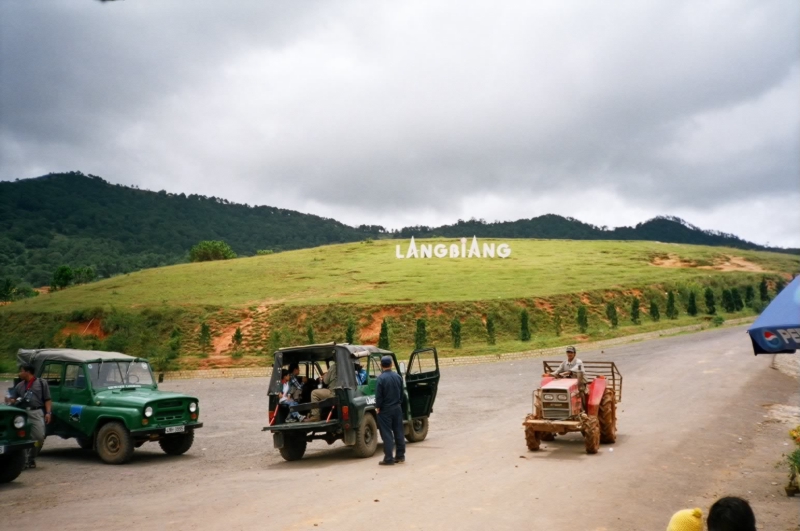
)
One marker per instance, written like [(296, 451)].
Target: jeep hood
[(136, 397)]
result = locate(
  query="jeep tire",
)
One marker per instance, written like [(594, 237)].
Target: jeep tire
[(114, 443), (591, 433), (294, 446), (366, 437), (85, 442), (11, 465), (607, 415), (417, 430), (177, 444)]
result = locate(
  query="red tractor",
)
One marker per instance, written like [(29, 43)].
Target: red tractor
[(584, 402)]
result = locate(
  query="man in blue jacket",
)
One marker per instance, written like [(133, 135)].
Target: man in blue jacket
[(388, 400)]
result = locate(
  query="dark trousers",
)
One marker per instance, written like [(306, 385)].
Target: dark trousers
[(390, 422)]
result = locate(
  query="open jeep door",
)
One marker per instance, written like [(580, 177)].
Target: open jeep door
[(422, 381)]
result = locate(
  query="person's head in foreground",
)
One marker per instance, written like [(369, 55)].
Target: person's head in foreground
[(731, 514), (686, 520)]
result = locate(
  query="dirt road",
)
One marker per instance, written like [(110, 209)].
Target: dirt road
[(701, 417)]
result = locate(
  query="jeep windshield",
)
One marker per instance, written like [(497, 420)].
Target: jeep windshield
[(112, 374)]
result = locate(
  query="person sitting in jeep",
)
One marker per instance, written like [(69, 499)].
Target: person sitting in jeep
[(330, 381), (286, 398)]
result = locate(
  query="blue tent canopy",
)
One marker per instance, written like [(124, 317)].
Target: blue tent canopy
[(777, 329)]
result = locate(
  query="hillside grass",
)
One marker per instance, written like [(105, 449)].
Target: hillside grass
[(369, 273), (158, 313)]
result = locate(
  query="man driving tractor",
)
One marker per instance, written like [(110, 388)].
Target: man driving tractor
[(572, 367)]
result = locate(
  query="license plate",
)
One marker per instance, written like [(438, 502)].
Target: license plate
[(175, 429), (2, 450)]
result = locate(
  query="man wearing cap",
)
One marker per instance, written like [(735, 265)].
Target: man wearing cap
[(388, 400), (571, 364)]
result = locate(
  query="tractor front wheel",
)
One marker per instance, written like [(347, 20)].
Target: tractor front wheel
[(591, 434), (547, 436), (608, 417), (532, 437)]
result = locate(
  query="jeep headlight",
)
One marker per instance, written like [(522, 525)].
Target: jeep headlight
[(148, 412), (19, 422), (548, 397), (192, 407), (563, 398)]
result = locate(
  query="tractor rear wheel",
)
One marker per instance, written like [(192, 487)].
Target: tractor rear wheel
[(532, 437), (591, 431), (608, 417)]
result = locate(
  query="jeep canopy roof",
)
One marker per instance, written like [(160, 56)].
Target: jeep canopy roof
[(37, 357), (330, 352)]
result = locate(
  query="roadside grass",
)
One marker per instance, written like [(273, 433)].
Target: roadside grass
[(369, 273)]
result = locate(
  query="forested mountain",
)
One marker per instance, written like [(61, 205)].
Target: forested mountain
[(81, 220)]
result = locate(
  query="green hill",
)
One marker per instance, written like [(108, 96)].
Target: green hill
[(79, 220), (274, 299)]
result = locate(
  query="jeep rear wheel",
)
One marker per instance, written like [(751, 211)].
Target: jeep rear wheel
[(366, 437), (293, 447), (11, 465), (607, 415), (532, 437), (85, 442), (177, 444), (114, 444), (417, 430), (591, 431)]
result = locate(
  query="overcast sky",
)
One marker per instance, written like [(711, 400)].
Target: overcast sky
[(401, 113)]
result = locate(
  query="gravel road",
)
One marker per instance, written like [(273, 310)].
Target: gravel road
[(701, 417)]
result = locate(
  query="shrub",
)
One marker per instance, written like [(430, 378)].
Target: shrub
[(583, 318), (524, 328), (635, 310), (420, 335), (350, 333), (208, 250), (205, 337), (691, 308), (672, 310), (655, 315), (310, 334), (763, 290), (711, 306), (718, 320), (611, 314), (738, 303), (383, 339), (727, 301), (557, 324), (490, 333), (749, 296), (237, 338), (62, 277), (455, 332)]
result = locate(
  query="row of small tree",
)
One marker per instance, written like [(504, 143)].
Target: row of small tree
[(732, 301)]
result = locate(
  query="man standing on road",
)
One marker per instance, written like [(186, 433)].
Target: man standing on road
[(331, 381), (388, 397), (33, 395)]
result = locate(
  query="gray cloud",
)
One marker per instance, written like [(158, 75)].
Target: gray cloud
[(417, 112)]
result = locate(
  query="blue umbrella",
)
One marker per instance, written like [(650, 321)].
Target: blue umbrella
[(777, 329)]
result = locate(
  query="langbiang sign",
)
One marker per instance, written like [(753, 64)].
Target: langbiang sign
[(454, 250)]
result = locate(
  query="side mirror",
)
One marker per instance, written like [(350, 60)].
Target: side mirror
[(402, 367)]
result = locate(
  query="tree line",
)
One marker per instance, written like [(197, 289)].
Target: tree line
[(76, 220)]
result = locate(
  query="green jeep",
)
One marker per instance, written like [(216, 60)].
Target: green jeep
[(350, 414), (15, 440), (110, 403)]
